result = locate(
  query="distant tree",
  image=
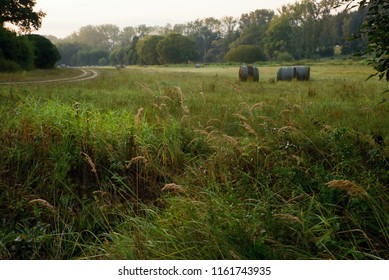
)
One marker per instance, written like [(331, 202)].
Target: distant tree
[(132, 55), (68, 52), (46, 54), (252, 27), (375, 28), (204, 32), (96, 56), (176, 48), (20, 13), (245, 54), (354, 41), (279, 37), (147, 49)]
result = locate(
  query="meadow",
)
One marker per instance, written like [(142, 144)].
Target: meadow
[(176, 162)]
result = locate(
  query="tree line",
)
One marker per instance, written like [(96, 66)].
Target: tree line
[(307, 29)]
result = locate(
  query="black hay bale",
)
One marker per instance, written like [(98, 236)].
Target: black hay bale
[(248, 73), (285, 74), (300, 73)]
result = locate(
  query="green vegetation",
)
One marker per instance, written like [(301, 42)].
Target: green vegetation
[(26, 52), (308, 29), (185, 163)]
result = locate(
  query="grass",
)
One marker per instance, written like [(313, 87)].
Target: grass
[(185, 163)]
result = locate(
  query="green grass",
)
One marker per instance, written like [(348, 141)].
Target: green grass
[(185, 163)]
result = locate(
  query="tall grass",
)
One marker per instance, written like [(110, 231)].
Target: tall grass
[(181, 163)]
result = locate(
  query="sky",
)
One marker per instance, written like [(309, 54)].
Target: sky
[(66, 17)]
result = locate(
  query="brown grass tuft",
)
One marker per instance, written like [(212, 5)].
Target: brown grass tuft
[(174, 188), (233, 142), (138, 117), (135, 160), (249, 129), (351, 188), (43, 203), (288, 217), (90, 162)]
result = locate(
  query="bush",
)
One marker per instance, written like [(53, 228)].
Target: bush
[(15, 49), (9, 66), (45, 53), (176, 48), (245, 53), (284, 57)]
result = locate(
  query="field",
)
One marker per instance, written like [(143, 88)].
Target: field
[(175, 162)]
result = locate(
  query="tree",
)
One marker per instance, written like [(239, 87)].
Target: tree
[(245, 53), (46, 54), (279, 37), (203, 33), (21, 13), (147, 49), (176, 48), (375, 28), (16, 52)]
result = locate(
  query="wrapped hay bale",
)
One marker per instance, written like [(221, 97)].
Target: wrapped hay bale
[(302, 73), (248, 73), (285, 74)]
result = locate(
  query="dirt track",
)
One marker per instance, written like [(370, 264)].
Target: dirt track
[(87, 74)]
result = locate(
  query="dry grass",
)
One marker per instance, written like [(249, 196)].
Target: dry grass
[(351, 188)]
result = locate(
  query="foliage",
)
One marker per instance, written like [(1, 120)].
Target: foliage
[(176, 48), (16, 52), (147, 49), (20, 13), (375, 28), (245, 54), (306, 29), (45, 53)]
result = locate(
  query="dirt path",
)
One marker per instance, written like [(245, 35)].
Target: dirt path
[(87, 74)]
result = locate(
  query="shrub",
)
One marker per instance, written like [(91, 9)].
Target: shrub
[(46, 54), (284, 57), (16, 49), (9, 65), (245, 53)]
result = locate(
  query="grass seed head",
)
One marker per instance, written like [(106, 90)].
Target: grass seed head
[(351, 188)]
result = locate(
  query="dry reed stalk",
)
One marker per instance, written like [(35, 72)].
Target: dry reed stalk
[(351, 188), (249, 129), (145, 87), (286, 128), (234, 87), (135, 160), (233, 142), (258, 105), (43, 203), (174, 188), (267, 119), (216, 121), (240, 117), (181, 95), (138, 117), (286, 112), (90, 162), (288, 217)]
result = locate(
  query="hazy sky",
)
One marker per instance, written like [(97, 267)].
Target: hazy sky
[(65, 17)]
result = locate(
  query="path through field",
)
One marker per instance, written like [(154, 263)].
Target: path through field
[(86, 74)]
